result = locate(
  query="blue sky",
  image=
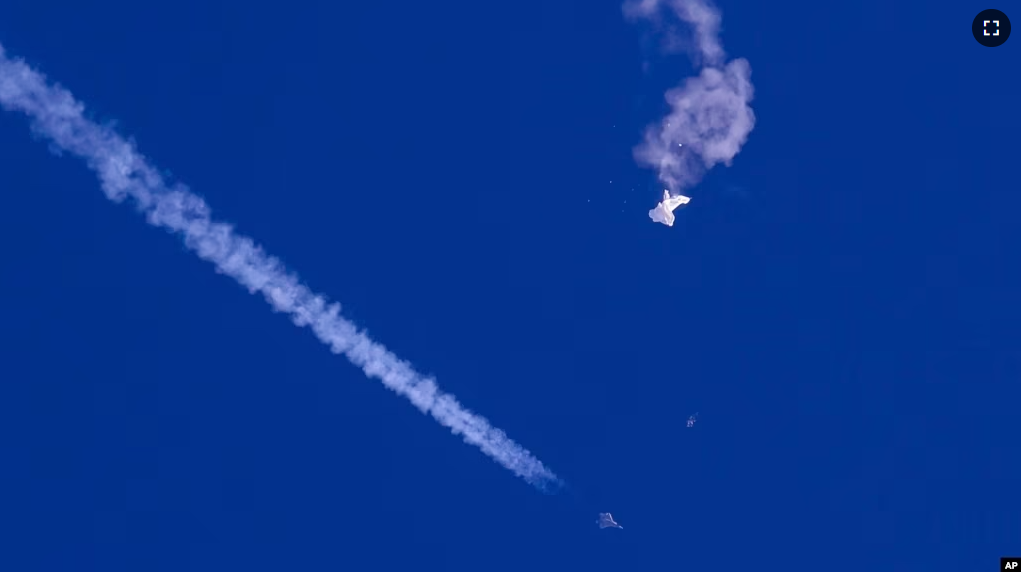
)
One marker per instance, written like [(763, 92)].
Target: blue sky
[(460, 177)]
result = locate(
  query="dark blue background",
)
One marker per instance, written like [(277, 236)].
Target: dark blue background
[(838, 305)]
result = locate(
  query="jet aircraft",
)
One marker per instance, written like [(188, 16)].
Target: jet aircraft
[(607, 521), (664, 211)]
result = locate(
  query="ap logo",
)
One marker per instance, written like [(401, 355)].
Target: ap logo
[(1011, 564)]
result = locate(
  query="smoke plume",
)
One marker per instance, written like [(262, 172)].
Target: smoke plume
[(710, 117)]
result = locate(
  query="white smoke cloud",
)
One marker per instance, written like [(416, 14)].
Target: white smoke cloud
[(710, 117), (704, 20), (125, 174)]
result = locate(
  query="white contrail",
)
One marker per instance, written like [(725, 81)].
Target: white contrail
[(710, 117), (124, 174)]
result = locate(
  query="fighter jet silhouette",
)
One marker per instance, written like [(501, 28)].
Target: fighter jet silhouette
[(607, 521), (664, 211)]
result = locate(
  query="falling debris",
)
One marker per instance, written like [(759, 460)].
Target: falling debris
[(607, 521), (664, 211)]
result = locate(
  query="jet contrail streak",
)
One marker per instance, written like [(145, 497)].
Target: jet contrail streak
[(124, 173)]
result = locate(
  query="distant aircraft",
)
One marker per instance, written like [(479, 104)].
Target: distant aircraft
[(607, 521), (691, 420), (664, 211)]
